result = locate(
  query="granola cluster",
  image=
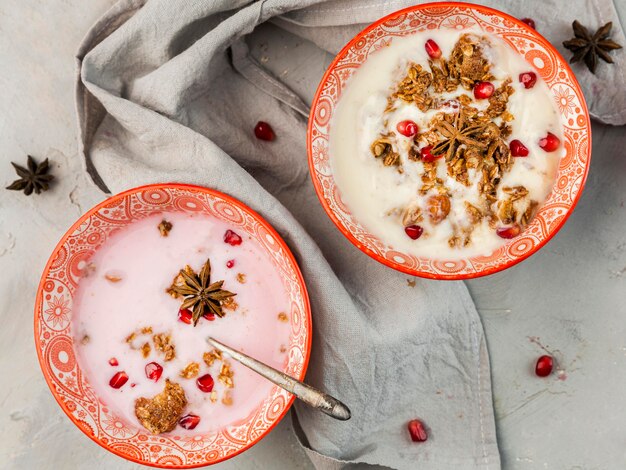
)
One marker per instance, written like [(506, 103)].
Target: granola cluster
[(161, 412), (468, 140)]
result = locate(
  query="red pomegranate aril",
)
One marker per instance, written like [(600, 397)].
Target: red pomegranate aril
[(113, 362), (518, 149), (528, 79), (428, 157), (509, 232), (264, 131), (119, 379), (407, 128), (232, 238), (185, 316), (205, 383), (432, 49), (210, 316), (417, 431), (189, 421), (154, 371), (530, 22), (550, 142), (414, 231), (230, 263), (544, 366), (483, 90)]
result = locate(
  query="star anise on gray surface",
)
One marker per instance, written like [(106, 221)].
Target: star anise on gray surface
[(589, 47), (34, 178), (201, 296)]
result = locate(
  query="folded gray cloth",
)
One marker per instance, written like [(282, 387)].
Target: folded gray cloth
[(167, 92)]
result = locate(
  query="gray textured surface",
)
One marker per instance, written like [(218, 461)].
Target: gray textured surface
[(568, 298)]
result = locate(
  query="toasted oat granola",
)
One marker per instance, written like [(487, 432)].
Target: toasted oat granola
[(190, 371), (163, 343), (467, 140), (161, 413)]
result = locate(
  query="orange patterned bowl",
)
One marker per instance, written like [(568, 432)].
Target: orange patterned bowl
[(572, 169), (54, 341)]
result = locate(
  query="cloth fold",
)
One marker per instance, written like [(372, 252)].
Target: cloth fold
[(167, 92)]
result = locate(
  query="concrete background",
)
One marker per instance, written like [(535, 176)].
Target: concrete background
[(568, 299)]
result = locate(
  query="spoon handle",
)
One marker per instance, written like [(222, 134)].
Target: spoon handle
[(311, 396)]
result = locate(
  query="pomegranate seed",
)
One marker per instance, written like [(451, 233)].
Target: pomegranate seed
[(232, 238), (432, 49), (483, 90), (509, 232), (154, 371), (530, 22), (113, 362), (544, 366), (119, 379), (264, 131), (518, 149), (205, 383), (185, 316), (189, 421), (230, 263), (209, 316), (417, 431), (528, 79), (133, 385), (414, 231), (407, 128), (427, 156), (550, 142)]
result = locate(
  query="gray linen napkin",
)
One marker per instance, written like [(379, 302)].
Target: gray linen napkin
[(167, 92)]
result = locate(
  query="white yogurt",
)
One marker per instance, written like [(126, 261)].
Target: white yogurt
[(107, 312), (372, 191)]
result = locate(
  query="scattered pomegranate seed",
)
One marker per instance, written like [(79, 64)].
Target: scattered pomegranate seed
[(113, 362), (154, 371), (230, 263), (119, 379), (530, 22), (528, 79), (232, 238), (264, 131), (483, 90), (550, 142), (428, 157), (518, 149), (407, 128), (432, 49), (509, 232), (189, 421), (205, 383), (414, 231), (417, 431), (544, 366), (133, 385), (185, 316), (210, 316)]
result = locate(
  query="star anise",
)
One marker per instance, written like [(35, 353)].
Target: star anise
[(201, 296), (33, 178), (460, 131), (588, 47)]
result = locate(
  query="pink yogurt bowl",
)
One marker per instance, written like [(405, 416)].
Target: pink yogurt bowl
[(56, 352)]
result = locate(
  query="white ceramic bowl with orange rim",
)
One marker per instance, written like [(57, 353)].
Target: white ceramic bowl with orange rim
[(54, 340), (573, 166)]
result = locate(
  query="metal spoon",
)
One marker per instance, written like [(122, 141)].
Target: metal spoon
[(309, 395)]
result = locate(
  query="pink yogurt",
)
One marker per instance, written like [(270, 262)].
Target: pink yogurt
[(107, 312)]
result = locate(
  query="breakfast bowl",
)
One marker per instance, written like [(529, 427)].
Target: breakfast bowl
[(365, 155), (93, 343)]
